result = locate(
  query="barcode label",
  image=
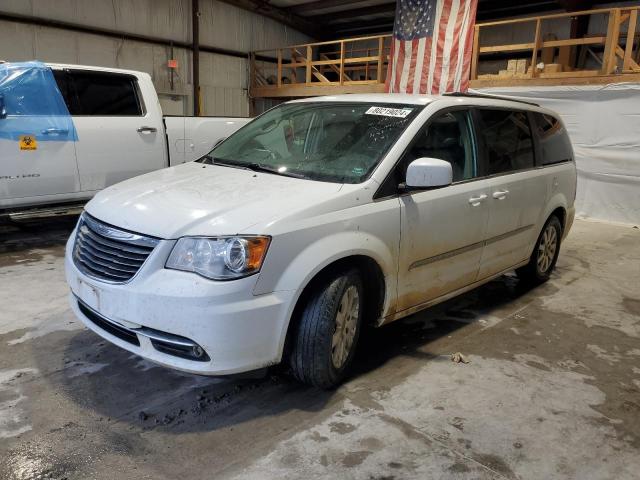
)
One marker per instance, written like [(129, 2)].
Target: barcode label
[(389, 112)]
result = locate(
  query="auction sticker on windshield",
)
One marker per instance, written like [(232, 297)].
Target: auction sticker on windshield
[(389, 112)]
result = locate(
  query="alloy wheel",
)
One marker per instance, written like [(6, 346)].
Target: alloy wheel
[(345, 327)]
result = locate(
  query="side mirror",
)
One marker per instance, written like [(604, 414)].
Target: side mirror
[(3, 108), (425, 173)]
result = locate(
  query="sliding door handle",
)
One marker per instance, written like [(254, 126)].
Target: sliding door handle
[(475, 201), (55, 131), (147, 129), (500, 194)]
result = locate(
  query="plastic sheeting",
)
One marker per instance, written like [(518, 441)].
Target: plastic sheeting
[(603, 123), (33, 104)]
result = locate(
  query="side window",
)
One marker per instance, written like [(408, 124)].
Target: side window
[(106, 94), (447, 136), (506, 137), (63, 86), (554, 142)]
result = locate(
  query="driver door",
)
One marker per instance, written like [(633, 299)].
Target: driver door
[(442, 230)]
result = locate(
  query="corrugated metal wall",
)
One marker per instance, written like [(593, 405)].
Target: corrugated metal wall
[(223, 78)]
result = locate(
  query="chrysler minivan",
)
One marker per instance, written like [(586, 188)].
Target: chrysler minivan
[(316, 219)]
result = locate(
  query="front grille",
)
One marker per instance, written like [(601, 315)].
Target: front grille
[(108, 253)]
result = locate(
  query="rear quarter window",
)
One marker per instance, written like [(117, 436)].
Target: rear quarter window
[(555, 146), (105, 94)]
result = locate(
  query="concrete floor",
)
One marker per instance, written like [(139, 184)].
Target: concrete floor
[(552, 390)]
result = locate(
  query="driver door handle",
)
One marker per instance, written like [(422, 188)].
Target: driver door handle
[(147, 129), (500, 194), (475, 201)]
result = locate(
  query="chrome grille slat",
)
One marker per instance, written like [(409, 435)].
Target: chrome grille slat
[(112, 251), (113, 258), (108, 253), (89, 258), (117, 245)]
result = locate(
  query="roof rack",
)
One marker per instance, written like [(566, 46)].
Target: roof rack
[(484, 95)]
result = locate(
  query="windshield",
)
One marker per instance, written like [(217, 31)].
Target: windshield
[(327, 141)]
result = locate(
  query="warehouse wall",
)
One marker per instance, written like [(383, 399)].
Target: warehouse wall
[(223, 78)]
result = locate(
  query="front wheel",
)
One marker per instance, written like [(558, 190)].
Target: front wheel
[(328, 331), (545, 254)]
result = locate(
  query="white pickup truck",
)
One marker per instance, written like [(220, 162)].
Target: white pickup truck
[(115, 130)]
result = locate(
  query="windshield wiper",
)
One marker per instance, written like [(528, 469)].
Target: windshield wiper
[(254, 167), (260, 167)]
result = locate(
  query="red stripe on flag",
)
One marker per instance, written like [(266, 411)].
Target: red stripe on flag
[(412, 68), (453, 55), (442, 32), (399, 66), (424, 80)]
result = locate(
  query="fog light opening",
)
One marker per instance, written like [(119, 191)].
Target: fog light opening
[(198, 352)]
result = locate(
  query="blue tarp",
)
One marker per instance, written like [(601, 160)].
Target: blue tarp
[(33, 104)]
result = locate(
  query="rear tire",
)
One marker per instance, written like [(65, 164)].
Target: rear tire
[(545, 254), (327, 333)]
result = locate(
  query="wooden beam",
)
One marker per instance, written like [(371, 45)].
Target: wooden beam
[(550, 81), (475, 53), (380, 59), (613, 33), (315, 89), (309, 57), (536, 46), (631, 35), (279, 82), (341, 62)]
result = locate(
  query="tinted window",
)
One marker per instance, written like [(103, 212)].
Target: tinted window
[(507, 140), (554, 142), (63, 86), (103, 94), (447, 137)]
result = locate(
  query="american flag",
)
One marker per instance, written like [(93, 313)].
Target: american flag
[(431, 46)]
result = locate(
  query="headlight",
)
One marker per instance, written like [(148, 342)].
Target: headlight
[(222, 258)]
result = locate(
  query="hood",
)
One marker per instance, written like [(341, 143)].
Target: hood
[(197, 199)]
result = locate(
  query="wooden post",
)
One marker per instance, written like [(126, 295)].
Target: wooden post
[(613, 34), (380, 59), (631, 34), (476, 53), (309, 55), (279, 83), (536, 46), (341, 62)]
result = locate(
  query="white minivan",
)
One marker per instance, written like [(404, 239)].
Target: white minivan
[(319, 217)]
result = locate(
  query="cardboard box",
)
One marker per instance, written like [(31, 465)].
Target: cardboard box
[(522, 64)]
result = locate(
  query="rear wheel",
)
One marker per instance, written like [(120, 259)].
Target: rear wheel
[(327, 334), (545, 254)]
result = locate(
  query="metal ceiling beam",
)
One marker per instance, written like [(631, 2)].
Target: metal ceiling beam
[(353, 13), (321, 5), (379, 25), (286, 16)]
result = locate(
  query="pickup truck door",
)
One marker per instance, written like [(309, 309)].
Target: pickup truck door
[(442, 230), (37, 151), (119, 125)]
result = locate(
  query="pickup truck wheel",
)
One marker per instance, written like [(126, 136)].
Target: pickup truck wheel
[(545, 254), (328, 331)]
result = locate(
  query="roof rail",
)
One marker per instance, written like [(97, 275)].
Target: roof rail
[(484, 95)]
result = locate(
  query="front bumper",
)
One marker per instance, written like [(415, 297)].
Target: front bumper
[(238, 331)]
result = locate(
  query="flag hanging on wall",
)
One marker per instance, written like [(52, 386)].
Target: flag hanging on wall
[(431, 46)]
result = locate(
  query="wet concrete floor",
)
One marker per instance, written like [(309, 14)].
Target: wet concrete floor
[(552, 389)]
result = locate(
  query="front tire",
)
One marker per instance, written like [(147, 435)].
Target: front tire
[(327, 334), (545, 254)]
